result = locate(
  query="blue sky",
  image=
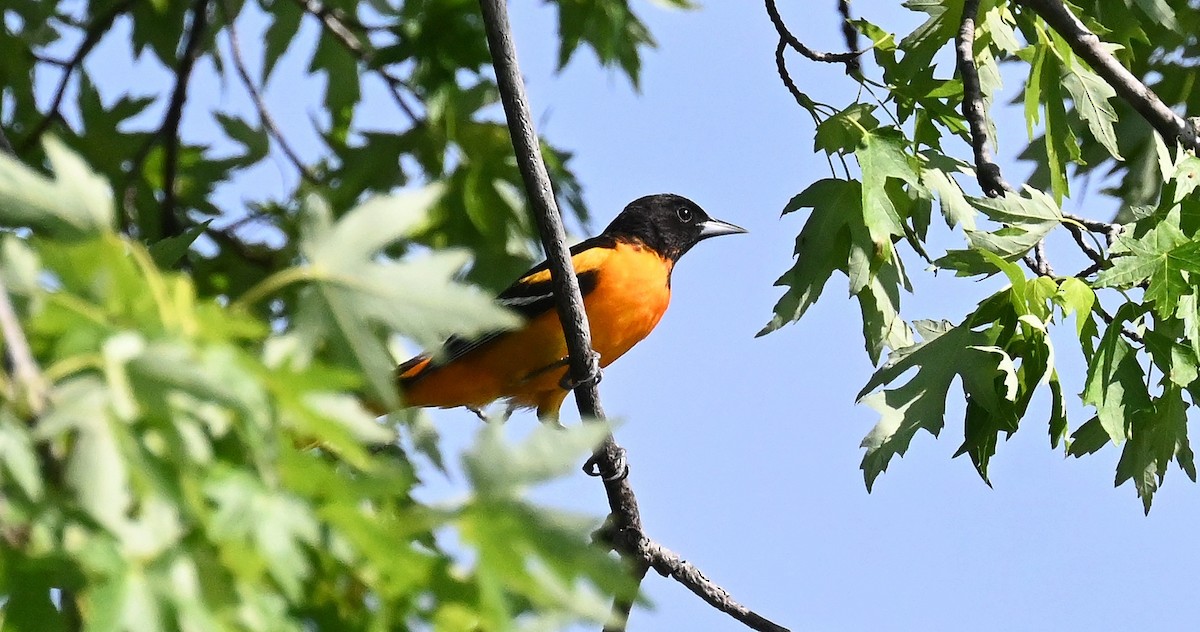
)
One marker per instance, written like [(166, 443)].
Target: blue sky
[(745, 451)]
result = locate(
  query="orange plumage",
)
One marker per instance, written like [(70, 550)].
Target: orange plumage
[(625, 276)]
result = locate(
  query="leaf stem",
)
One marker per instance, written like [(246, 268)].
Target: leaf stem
[(273, 284)]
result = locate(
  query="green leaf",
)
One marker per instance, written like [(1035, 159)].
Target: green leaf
[(76, 203), (843, 131), (879, 302), (1088, 438), (497, 468), (822, 246), (354, 293), (1115, 384), (277, 526), (167, 252), (1058, 412), (1159, 11), (1163, 256), (1158, 434), (1076, 297), (285, 22), (541, 557), (96, 469), (609, 28), (936, 176), (945, 352), (1091, 95), (18, 458), (882, 156), (1026, 220)]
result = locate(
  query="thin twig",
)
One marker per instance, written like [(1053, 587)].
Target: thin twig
[(1087, 46), (170, 126), (973, 109), (1133, 336), (334, 21), (340, 26), (94, 33), (5, 146), (609, 458), (798, 46), (1088, 249), (850, 34), (260, 104), (1110, 230), (27, 377)]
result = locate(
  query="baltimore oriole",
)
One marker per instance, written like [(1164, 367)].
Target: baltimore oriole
[(625, 277)]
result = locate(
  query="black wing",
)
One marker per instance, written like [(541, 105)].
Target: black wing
[(528, 300)]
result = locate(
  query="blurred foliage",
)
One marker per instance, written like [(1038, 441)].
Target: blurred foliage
[(192, 450), (1135, 309)]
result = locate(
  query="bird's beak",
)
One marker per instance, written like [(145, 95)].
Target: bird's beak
[(716, 228)]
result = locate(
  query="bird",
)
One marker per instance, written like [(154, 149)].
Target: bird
[(625, 277)]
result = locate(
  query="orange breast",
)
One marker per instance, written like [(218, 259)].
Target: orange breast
[(629, 298)]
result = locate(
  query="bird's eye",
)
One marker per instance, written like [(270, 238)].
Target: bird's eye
[(684, 213)]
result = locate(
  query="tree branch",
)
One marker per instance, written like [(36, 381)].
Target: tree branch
[(1088, 47), (170, 125), (5, 146), (340, 25), (798, 46), (850, 34), (260, 104), (986, 169), (94, 32), (609, 460)]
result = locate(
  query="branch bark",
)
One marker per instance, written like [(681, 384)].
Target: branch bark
[(986, 169), (170, 125), (800, 47), (1087, 46), (625, 525), (94, 32)]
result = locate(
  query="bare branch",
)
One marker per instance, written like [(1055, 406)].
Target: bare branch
[(609, 458), (850, 34), (986, 169), (1088, 46), (334, 21), (170, 126), (798, 46), (785, 76), (94, 32), (260, 104), (1038, 262)]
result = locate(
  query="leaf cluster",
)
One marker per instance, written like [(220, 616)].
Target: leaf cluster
[(1134, 308), (197, 465)]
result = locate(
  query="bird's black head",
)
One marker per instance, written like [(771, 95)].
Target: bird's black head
[(670, 224)]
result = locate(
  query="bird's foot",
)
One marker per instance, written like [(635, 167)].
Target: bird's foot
[(617, 470), (593, 376)]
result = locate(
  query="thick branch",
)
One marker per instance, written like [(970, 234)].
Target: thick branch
[(609, 458), (986, 169), (94, 32), (170, 126), (1088, 46)]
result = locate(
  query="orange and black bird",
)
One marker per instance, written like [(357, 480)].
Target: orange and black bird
[(625, 277)]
